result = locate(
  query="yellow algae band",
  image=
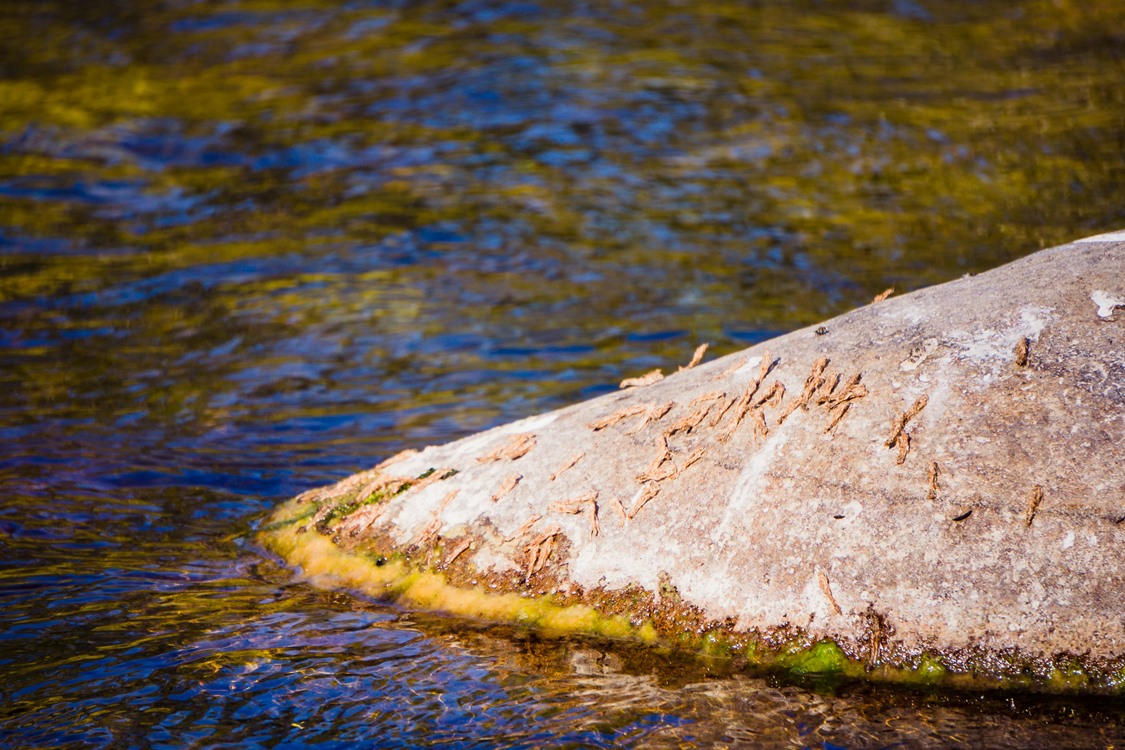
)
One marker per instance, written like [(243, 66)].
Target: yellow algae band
[(324, 562)]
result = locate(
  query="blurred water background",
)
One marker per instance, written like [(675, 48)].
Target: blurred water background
[(250, 247)]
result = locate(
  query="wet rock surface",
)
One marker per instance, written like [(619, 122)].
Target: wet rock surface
[(933, 479)]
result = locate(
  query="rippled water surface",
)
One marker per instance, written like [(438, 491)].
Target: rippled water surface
[(247, 248)]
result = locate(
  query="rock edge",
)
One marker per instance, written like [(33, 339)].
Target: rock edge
[(934, 481)]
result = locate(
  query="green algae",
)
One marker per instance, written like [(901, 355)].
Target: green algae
[(824, 658), (930, 669), (1067, 676)]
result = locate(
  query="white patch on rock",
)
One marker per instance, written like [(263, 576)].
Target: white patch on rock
[(751, 365), (531, 424), (996, 347), (1068, 540), (1106, 303), (1033, 319)]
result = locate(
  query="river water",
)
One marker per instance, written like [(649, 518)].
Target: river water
[(248, 248)]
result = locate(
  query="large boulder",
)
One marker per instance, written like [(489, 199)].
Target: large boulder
[(931, 487)]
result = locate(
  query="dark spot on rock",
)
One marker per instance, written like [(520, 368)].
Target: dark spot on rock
[(837, 516), (821, 331), (962, 514)]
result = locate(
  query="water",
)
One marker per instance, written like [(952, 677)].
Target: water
[(250, 248)]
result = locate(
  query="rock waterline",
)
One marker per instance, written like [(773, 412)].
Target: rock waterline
[(930, 488)]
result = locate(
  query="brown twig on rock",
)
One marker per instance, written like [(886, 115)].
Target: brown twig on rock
[(526, 527), (653, 471), (506, 486), (705, 397), (852, 390), (903, 447), (538, 550), (592, 516), (688, 423), (812, 383), (743, 406), (900, 422), (760, 427), (697, 357), (1033, 502), (827, 385), (430, 532), (836, 414), (587, 503), (620, 508), (646, 493), (518, 447), (617, 416), (654, 414), (568, 464), (695, 457), (650, 377), (658, 472), (457, 552), (723, 411), (773, 396), (826, 589), (1023, 348)]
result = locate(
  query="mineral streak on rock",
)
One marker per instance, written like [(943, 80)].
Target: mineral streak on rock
[(788, 538)]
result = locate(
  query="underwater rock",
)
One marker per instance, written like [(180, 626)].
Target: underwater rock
[(928, 488)]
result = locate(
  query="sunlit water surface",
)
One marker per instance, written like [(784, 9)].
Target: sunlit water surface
[(247, 248)]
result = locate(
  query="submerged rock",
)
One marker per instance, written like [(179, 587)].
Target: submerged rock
[(928, 488)]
